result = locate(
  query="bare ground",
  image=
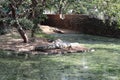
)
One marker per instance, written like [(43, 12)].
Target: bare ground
[(11, 43), (51, 30)]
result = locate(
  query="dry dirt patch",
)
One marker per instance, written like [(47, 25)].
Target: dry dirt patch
[(51, 30), (7, 42)]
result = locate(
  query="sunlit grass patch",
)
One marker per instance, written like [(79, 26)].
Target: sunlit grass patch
[(43, 35)]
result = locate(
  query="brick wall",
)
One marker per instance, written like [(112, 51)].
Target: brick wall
[(73, 22), (83, 24)]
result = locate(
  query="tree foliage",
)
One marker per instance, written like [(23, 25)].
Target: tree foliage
[(30, 12), (109, 9), (22, 14), (106, 10)]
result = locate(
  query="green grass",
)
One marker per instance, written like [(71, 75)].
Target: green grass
[(43, 35), (102, 64)]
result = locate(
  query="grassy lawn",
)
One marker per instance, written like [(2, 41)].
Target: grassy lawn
[(102, 64)]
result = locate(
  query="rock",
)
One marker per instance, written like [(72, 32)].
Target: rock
[(49, 29)]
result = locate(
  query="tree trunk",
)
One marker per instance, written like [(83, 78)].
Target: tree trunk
[(34, 4), (3, 29), (17, 25), (60, 9), (21, 31), (36, 14), (33, 30)]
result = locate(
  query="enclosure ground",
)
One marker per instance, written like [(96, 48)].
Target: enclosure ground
[(102, 64)]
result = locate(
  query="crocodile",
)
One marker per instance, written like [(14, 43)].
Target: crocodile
[(63, 46)]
